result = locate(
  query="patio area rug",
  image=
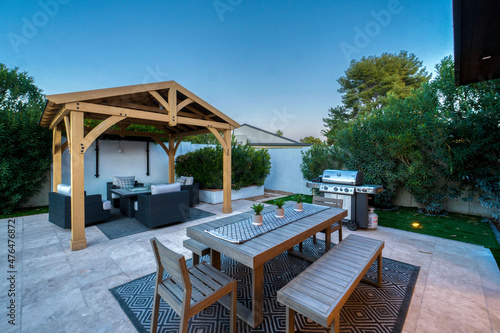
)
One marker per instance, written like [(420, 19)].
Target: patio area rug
[(369, 309), (120, 226)]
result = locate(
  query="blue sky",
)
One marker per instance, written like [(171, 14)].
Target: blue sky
[(272, 64)]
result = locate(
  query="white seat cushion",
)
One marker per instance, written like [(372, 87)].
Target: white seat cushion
[(165, 188), (64, 189), (136, 205), (106, 205), (115, 196)]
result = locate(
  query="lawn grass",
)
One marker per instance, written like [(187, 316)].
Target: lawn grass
[(460, 227), (26, 212)]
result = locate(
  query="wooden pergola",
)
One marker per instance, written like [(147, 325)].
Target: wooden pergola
[(172, 109)]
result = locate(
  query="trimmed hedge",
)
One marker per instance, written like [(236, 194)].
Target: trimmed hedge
[(249, 166)]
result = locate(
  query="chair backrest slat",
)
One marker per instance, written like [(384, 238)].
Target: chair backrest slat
[(173, 262)]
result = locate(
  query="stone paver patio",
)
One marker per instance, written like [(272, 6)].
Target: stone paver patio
[(57, 290)]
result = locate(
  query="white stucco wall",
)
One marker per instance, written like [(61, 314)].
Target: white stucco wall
[(285, 171), (244, 133), (130, 162)]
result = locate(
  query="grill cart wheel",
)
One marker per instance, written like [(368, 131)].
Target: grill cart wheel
[(352, 225)]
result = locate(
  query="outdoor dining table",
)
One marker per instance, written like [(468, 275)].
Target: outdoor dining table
[(127, 198), (255, 252)]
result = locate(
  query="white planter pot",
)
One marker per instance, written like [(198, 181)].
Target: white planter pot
[(257, 219), (298, 207), (279, 212), (216, 196)]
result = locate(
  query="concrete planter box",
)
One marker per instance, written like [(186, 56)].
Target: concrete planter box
[(216, 196)]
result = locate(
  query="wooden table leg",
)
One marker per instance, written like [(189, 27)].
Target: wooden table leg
[(290, 320), (215, 259), (257, 295), (379, 270), (328, 239)]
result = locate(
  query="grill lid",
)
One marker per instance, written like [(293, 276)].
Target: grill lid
[(343, 177)]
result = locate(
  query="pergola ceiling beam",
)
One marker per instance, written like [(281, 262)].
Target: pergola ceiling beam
[(63, 112), (172, 99), (117, 111), (184, 103), (219, 138), (68, 129), (203, 123), (98, 130), (160, 100), (197, 132)]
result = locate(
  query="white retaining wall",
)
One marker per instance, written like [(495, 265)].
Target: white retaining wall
[(130, 162), (285, 171)]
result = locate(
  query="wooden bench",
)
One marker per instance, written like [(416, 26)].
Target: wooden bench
[(198, 249), (320, 291)]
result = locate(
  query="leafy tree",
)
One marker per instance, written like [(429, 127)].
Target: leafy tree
[(311, 139), (368, 82), (279, 132), (25, 146), (440, 141)]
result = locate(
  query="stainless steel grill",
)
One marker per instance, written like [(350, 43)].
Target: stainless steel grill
[(348, 186)]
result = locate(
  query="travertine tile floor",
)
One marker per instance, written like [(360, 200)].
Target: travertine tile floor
[(57, 290)]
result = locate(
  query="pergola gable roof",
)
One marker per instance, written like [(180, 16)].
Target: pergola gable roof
[(138, 100), (172, 109)]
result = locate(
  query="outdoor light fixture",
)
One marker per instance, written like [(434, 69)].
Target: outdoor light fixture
[(120, 150), (486, 57), (415, 224)]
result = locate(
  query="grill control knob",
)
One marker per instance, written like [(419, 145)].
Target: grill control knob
[(346, 190), (335, 189), (325, 188), (364, 190)]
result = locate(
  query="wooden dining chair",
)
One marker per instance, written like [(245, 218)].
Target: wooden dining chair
[(189, 291), (330, 202)]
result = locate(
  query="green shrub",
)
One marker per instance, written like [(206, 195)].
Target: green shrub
[(319, 158), (25, 146), (249, 166)]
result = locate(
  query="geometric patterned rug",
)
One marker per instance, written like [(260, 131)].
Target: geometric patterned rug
[(368, 309)]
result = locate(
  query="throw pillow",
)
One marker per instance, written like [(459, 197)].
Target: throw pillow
[(165, 188), (124, 182), (189, 181), (181, 180), (128, 180), (64, 189)]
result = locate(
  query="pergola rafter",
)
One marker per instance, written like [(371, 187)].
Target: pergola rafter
[(166, 106)]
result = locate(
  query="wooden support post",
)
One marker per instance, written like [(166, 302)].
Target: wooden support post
[(78, 240), (226, 181), (56, 157), (171, 160)]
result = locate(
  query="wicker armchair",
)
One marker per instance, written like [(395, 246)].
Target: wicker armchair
[(156, 210), (194, 193), (60, 209)]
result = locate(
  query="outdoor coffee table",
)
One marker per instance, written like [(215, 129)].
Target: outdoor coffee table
[(127, 198), (257, 251)]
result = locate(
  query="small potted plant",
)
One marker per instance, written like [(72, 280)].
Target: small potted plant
[(257, 218), (298, 205), (280, 211)]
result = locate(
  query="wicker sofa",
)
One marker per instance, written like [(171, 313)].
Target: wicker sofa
[(160, 209), (60, 209)]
